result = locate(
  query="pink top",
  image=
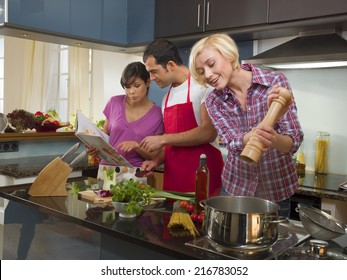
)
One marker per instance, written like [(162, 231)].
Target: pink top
[(121, 130)]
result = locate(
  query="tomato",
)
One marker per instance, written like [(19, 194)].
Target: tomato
[(55, 123), (201, 218), (38, 113), (194, 217), (190, 208), (184, 203)]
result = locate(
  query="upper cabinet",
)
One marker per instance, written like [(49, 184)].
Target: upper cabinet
[(284, 10), (181, 17), (122, 22)]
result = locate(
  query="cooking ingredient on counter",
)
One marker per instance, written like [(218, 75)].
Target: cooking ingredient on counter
[(300, 162), (321, 160), (134, 193), (21, 120), (181, 224), (202, 178), (51, 118), (103, 193)]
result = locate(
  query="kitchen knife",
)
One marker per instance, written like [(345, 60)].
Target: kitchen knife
[(78, 158), (70, 151)]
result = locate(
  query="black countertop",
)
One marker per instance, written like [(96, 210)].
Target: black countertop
[(323, 185), (149, 230)]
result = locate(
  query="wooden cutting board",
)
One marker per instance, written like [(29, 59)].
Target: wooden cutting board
[(52, 179), (91, 196)]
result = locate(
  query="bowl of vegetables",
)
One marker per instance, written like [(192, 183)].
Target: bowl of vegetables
[(129, 197), (48, 122)]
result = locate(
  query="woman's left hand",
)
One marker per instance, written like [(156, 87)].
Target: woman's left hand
[(266, 134)]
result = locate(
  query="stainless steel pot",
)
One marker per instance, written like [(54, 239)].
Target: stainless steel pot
[(241, 222)]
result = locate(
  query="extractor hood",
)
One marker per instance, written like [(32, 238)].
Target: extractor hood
[(305, 51)]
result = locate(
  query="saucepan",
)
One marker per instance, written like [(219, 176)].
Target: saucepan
[(241, 222)]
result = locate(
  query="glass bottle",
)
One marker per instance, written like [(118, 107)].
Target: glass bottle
[(322, 145), (201, 183), (300, 162)]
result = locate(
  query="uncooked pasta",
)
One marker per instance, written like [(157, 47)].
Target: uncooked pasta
[(321, 163)]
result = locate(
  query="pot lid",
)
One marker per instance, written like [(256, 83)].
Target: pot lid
[(317, 250)]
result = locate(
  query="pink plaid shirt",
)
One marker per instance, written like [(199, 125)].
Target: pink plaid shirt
[(274, 177)]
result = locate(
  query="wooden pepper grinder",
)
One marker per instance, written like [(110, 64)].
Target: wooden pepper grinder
[(254, 147)]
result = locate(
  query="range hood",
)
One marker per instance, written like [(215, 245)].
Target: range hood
[(305, 51)]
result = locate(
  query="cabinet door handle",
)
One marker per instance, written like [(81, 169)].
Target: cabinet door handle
[(208, 22), (199, 8)]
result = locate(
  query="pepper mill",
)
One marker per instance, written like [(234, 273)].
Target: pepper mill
[(254, 147)]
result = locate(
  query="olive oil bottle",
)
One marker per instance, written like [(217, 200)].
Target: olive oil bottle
[(201, 183)]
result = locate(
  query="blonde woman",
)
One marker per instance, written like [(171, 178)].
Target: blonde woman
[(237, 105)]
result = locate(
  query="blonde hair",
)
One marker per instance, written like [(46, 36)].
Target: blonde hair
[(222, 43)]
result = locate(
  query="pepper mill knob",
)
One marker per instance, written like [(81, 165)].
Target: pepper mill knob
[(254, 147)]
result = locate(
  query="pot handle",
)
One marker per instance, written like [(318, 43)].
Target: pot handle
[(202, 203), (277, 220)]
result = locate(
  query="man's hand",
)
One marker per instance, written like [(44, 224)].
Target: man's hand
[(147, 167), (152, 143)]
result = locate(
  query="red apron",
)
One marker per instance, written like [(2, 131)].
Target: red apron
[(181, 163)]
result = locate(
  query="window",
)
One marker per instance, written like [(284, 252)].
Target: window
[(63, 82)]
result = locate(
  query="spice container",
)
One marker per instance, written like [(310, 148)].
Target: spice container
[(321, 160), (300, 162)]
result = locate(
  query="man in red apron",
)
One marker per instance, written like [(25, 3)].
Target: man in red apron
[(188, 128)]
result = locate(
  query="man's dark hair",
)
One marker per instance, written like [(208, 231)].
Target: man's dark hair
[(163, 51)]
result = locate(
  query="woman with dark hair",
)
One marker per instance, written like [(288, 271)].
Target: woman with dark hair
[(131, 117)]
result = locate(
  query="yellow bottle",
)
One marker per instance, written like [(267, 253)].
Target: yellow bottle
[(300, 162)]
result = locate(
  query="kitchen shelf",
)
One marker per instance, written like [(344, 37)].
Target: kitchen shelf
[(36, 136)]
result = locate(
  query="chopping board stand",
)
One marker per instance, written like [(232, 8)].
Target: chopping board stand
[(51, 181)]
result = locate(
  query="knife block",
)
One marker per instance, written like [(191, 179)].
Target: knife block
[(51, 181)]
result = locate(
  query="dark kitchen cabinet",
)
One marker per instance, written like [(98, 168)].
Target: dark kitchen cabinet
[(181, 17), (284, 10)]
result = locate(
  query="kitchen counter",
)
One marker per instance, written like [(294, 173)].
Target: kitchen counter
[(323, 185), (73, 228)]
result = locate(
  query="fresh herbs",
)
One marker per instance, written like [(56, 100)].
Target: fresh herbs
[(75, 188), (134, 193)]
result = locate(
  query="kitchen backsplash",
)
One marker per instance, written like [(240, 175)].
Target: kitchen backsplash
[(321, 98)]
